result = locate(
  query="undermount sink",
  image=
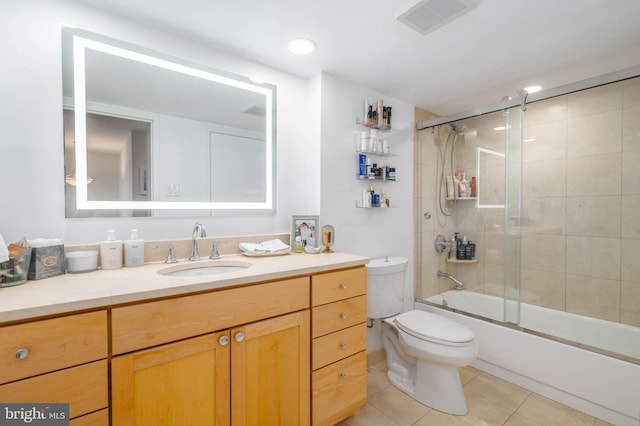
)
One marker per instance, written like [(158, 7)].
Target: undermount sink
[(204, 268)]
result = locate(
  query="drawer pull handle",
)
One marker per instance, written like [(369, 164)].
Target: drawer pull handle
[(239, 337), (224, 340), (343, 376), (343, 316), (343, 346), (343, 286), (22, 353)]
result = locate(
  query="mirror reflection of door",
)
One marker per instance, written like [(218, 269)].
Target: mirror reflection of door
[(118, 158)]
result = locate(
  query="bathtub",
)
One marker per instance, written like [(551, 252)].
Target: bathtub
[(599, 385)]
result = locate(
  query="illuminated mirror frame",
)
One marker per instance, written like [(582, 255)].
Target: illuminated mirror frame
[(80, 44), (479, 204)]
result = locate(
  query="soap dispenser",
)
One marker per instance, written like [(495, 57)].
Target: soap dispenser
[(134, 250), (111, 252)]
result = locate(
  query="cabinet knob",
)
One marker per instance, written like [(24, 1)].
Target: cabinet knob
[(239, 337), (224, 340), (343, 316), (22, 353), (343, 286), (343, 376), (343, 346)]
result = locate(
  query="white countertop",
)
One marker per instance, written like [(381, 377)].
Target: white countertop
[(73, 292)]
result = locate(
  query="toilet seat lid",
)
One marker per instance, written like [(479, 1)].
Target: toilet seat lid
[(433, 328)]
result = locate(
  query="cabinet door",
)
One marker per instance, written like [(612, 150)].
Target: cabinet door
[(182, 383), (270, 371)]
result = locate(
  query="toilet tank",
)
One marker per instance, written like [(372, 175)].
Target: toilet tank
[(385, 286)]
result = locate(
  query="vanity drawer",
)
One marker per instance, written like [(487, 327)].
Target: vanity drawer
[(99, 418), (333, 286), (153, 323), (43, 346), (85, 388), (339, 390), (339, 315), (336, 346)]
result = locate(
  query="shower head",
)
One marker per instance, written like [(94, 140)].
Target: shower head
[(458, 128)]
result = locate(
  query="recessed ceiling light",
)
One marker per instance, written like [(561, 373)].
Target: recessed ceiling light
[(302, 46), (532, 89)]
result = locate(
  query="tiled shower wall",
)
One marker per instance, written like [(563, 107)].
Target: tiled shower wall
[(580, 204)]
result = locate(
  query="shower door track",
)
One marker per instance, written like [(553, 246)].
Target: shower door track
[(534, 97)]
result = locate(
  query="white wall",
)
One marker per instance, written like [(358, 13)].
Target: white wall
[(31, 159), (368, 232)]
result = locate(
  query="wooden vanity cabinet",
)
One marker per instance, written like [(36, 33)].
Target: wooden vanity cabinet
[(59, 360), (339, 342), (238, 356)]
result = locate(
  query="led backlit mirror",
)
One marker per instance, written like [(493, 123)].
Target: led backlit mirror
[(146, 132)]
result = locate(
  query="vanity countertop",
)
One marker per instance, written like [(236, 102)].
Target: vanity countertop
[(74, 292)]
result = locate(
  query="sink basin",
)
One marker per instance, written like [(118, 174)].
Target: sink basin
[(203, 268)]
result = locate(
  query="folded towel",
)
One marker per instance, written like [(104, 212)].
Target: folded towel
[(271, 246)]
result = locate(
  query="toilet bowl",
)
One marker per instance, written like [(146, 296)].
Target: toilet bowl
[(424, 350)]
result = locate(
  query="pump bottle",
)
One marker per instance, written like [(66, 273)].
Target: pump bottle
[(134, 250), (111, 252)]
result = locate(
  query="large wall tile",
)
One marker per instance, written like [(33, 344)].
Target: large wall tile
[(631, 216), (594, 216), (549, 141), (593, 297), (631, 129), (544, 215), (631, 173), (595, 100), (595, 134), (630, 266), (543, 288), (544, 178), (543, 252), (594, 257), (594, 175)]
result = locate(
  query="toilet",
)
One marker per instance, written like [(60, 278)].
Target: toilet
[(424, 350)]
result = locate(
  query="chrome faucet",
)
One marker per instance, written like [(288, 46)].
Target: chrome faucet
[(459, 284), (214, 249), (198, 231)]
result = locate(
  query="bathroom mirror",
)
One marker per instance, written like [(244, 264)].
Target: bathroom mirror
[(490, 168), (146, 132)]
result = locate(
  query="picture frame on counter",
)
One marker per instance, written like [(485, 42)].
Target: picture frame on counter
[(307, 227)]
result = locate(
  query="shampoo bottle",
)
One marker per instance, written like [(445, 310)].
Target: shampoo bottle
[(111, 252), (134, 250)]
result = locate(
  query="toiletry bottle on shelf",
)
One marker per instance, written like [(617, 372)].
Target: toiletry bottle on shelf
[(462, 248), (472, 187), (464, 187), (297, 245), (453, 246), (134, 250), (111, 252)]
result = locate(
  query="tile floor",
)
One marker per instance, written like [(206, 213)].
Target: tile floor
[(491, 401)]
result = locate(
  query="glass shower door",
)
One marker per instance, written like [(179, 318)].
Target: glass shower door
[(514, 118)]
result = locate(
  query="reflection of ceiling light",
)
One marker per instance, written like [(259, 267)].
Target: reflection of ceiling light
[(301, 46), (71, 178), (529, 140), (532, 89), (499, 128)]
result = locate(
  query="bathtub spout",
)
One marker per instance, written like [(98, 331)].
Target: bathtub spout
[(459, 284)]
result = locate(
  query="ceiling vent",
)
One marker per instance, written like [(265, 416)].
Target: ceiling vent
[(428, 15)]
